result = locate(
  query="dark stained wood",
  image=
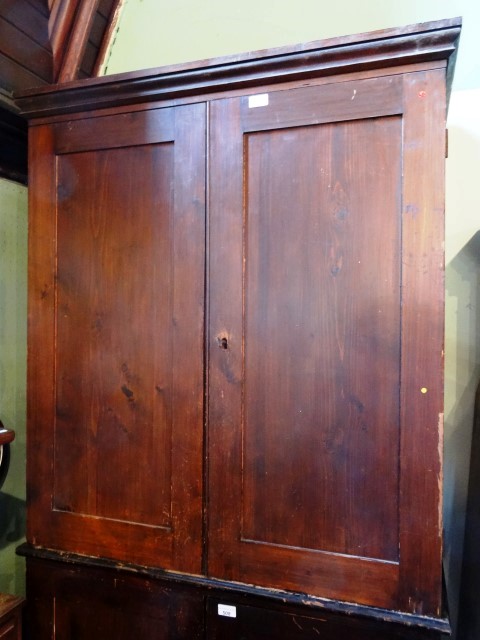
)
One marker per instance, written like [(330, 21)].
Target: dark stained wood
[(98, 28), (313, 315), (421, 390), (79, 603), (6, 435), (94, 599), (39, 46), (10, 617), (90, 61), (80, 33), (435, 41), (109, 9), (132, 392), (105, 8), (268, 598), (15, 77), (42, 6), (60, 22), (41, 270), (259, 623), (9, 602), (321, 297), (75, 49), (27, 18), (103, 27), (89, 134), (25, 55)]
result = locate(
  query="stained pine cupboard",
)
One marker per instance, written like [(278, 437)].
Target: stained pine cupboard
[(235, 345)]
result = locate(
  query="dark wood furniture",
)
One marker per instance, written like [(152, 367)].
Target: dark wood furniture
[(6, 437), (10, 617), (235, 351)]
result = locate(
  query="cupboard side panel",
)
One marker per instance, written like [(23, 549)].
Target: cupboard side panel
[(422, 341)]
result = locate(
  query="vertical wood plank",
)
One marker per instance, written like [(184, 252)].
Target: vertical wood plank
[(188, 255), (225, 310), (113, 18), (422, 342), (77, 43), (60, 21), (41, 328)]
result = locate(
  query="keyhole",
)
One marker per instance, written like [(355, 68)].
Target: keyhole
[(222, 342)]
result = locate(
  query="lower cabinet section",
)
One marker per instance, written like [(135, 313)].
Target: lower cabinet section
[(244, 622), (76, 603), (71, 600)]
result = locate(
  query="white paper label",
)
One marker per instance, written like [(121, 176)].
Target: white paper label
[(227, 610), (260, 100)]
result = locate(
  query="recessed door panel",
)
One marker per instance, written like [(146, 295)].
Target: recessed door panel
[(115, 304), (322, 337)]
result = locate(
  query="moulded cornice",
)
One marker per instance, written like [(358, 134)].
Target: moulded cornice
[(427, 42)]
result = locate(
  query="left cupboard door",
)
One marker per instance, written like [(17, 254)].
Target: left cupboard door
[(116, 333)]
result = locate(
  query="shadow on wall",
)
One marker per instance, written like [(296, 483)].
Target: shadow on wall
[(462, 284), (12, 520), (469, 609), (12, 526)]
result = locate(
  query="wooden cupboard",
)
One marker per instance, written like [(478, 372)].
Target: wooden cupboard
[(236, 330)]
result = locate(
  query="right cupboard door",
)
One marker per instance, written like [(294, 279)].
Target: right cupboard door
[(325, 340)]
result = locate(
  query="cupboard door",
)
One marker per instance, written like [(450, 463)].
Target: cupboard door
[(325, 340), (116, 336)]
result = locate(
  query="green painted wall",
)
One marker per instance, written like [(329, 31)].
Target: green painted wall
[(13, 319), (158, 32)]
